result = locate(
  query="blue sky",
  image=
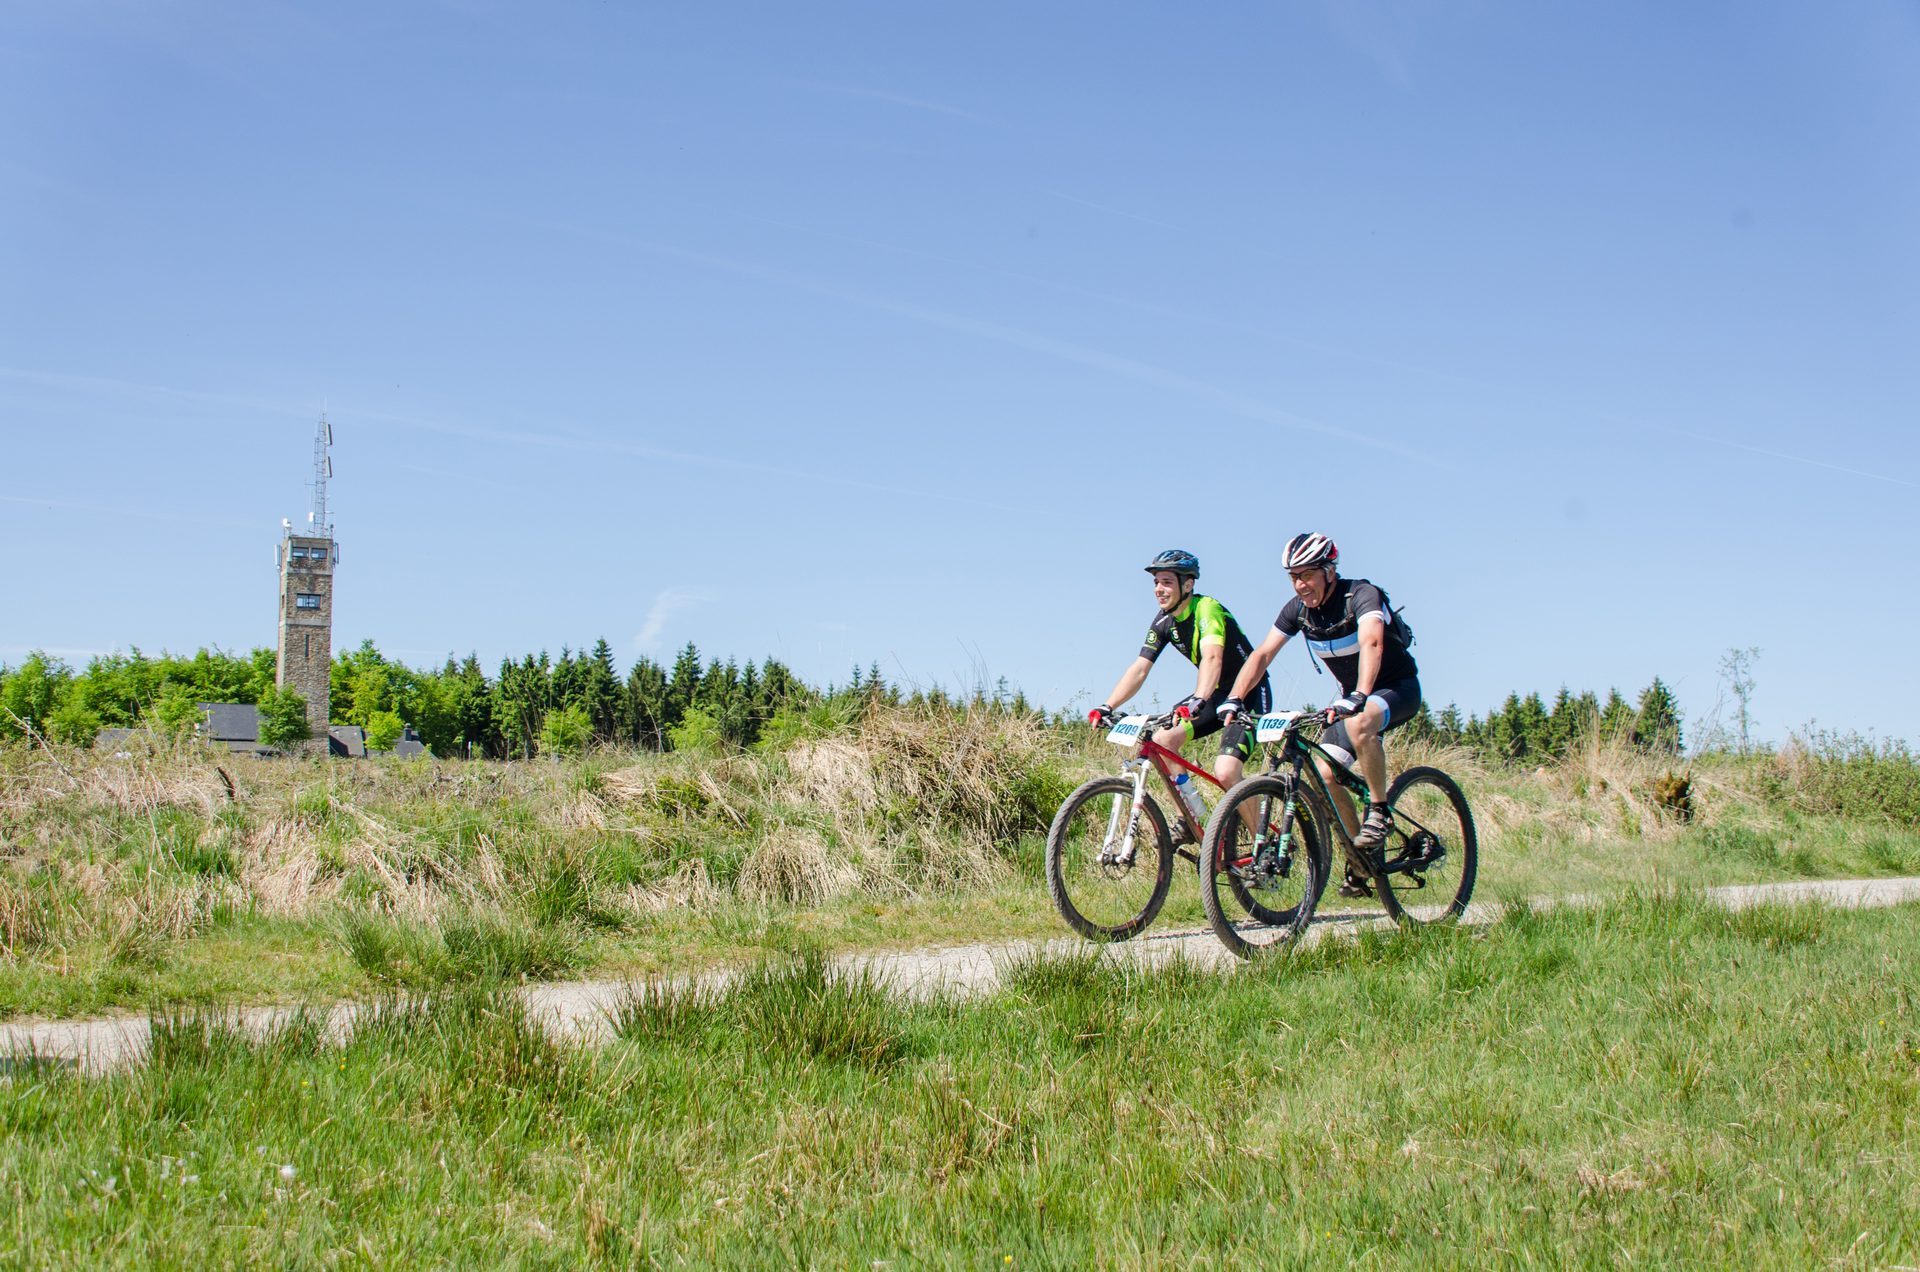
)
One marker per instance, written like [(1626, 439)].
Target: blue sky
[(859, 333)]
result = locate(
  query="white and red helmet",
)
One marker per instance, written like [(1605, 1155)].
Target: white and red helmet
[(1304, 551)]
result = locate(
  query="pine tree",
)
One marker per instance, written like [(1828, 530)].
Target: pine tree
[(1420, 727), (1505, 740), (600, 692), (524, 695), (1534, 729), (1616, 718), (1562, 726), (683, 686), (1656, 725), (473, 710), (647, 706)]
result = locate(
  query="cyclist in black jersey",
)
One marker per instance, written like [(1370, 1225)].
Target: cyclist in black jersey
[(1203, 630), (1350, 630)]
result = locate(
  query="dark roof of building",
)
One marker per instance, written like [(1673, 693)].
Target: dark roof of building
[(232, 722), (347, 739)]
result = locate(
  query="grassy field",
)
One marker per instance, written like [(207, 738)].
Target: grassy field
[(1653, 1082), (185, 877)]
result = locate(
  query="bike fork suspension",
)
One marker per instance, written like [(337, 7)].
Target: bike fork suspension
[(1139, 771)]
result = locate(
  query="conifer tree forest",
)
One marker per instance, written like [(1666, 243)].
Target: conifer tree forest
[(538, 703)]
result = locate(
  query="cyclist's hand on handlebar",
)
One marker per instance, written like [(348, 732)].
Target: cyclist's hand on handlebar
[(1100, 717), (1229, 708), (1189, 706), (1351, 705)]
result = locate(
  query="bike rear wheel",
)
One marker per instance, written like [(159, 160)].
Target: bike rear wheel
[(1108, 886), (1278, 888), (1432, 854)]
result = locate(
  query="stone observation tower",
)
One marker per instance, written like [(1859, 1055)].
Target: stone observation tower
[(306, 562)]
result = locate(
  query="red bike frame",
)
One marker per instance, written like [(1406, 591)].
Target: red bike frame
[(1159, 755)]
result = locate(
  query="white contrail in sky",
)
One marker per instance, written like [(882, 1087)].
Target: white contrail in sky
[(523, 437), (611, 446), (1128, 368), (123, 512), (881, 95), (1800, 459), (1101, 207)]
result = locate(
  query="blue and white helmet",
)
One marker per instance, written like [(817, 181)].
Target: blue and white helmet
[(1179, 560), (1304, 551)]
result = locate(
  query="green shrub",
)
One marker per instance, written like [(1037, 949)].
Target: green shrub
[(793, 723), (283, 719), (567, 731), (1037, 794), (698, 733), (73, 723), (175, 712), (679, 797), (1848, 775)]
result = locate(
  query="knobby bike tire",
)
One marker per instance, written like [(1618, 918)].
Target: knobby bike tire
[(1435, 805), (1107, 903), (1226, 840)]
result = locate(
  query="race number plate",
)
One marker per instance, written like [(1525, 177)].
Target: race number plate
[(1127, 732), (1271, 728)]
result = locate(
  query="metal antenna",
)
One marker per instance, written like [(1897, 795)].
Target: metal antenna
[(322, 469)]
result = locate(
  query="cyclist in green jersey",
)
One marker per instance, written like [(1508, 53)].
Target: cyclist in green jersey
[(1206, 633)]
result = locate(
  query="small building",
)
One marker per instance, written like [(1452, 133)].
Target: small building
[(122, 741), (232, 725), (350, 741)]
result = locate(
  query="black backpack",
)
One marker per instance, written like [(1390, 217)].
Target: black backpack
[(1399, 630)]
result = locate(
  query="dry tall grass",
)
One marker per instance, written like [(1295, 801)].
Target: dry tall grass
[(114, 847), (132, 849)]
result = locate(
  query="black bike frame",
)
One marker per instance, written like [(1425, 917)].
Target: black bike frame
[(1293, 752)]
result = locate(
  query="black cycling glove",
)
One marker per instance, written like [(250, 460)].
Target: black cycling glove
[(1351, 705)]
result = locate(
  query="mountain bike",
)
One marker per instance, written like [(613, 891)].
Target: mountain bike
[(1110, 849), (1424, 872)]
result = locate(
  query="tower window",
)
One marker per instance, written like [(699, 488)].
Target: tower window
[(298, 554), (306, 600)]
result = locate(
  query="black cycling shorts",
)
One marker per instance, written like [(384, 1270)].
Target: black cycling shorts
[(1238, 738), (1401, 700)]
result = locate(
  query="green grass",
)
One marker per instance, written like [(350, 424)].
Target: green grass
[(1653, 1082)]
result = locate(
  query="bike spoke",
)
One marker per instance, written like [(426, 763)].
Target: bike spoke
[(1431, 853), (1107, 865)]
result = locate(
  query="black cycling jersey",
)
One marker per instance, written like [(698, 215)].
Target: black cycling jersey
[(1333, 633), (1200, 618)]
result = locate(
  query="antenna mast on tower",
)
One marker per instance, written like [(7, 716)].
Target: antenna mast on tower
[(322, 469)]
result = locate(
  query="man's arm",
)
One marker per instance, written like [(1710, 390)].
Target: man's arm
[(1373, 644), (1211, 659), (1130, 681), (1257, 663)]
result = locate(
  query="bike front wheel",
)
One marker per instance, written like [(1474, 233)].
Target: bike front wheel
[(1108, 884), (1245, 868), (1432, 854)]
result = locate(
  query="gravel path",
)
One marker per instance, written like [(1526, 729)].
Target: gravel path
[(580, 1009)]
